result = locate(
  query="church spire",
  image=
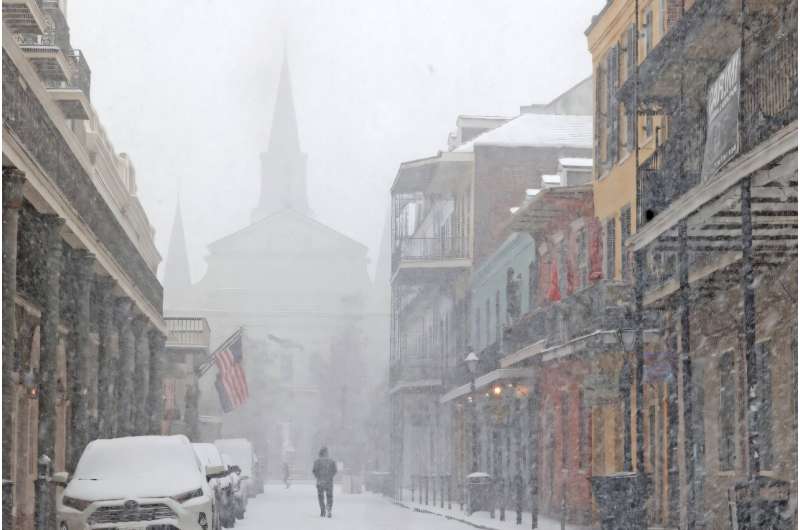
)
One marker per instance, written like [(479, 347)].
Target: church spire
[(177, 278), (283, 165)]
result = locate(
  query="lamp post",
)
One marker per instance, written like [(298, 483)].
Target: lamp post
[(472, 365)]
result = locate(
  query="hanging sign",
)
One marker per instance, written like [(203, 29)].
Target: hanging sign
[(722, 112)]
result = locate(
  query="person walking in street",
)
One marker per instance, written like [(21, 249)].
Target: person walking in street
[(324, 470), (286, 474)]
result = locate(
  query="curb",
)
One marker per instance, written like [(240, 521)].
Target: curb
[(446, 516)]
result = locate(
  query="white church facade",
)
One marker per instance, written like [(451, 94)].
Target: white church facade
[(303, 294)]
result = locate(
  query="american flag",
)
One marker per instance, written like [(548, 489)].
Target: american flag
[(231, 382)]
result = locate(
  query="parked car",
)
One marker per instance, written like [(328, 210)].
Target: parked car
[(238, 493), (222, 486), (258, 475), (138, 481), (241, 452)]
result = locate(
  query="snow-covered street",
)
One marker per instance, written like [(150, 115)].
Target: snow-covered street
[(281, 509)]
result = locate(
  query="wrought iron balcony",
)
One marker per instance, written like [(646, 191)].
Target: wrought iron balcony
[(24, 16), (72, 95), (768, 96), (415, 370), (187, 333), (664, 176), (47, 59), (769, 92), (431, 252), (601, 306)]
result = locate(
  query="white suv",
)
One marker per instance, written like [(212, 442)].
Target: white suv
[(223, 486), (139, 482)]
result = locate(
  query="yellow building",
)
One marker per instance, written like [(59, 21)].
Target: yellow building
[(616, 47), (611, 36)]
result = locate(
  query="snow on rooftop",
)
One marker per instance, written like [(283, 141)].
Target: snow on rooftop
[(575, 162), (532, 192), (538, 130), (551, 180)]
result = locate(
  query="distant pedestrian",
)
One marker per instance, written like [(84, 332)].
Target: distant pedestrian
[(324, 470), (286, 475)]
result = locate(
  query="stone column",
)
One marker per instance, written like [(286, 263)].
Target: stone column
[(155, 400), (123, 318), (49, 284), (13, 180), (82, 278), (141, 375), (107, 355)]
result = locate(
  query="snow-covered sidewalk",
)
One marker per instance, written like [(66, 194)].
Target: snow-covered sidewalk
[(483, 520)]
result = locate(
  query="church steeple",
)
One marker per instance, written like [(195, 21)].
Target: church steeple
[(177, 277), (283, 165)]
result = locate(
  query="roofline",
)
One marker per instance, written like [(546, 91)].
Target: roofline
[(596, 18), (441, 157), (283, 212), (567, 91)]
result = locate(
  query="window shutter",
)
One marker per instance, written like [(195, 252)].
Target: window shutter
[(611, 244), (609, 105), (614, 106), (598, 116), (631, 48), (625, 231), (630, 126)]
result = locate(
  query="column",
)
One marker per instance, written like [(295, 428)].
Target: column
[(141, 375), (81, 279), (749, 332), (49, 282), (123, 319), (155, 400), (13, 180), (533, 422), (684, 315), (106, 357)]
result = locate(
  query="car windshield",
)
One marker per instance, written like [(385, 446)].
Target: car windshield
[(208, 454)]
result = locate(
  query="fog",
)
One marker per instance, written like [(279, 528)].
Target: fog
[(375, 83)]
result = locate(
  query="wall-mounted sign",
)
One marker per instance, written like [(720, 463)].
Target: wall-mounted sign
[(722, 112)]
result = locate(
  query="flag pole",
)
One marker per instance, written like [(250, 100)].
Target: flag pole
[(212, 359)]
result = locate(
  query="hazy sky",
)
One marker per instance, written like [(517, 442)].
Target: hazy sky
[(186, 88)]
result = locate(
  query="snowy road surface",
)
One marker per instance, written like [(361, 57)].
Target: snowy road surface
[(297, 509)]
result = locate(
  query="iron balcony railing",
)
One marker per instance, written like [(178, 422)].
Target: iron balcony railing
[(769, 92), (601, 306), (415, 369), (768, 102), (187, 332), (81, 77), (416, 249)]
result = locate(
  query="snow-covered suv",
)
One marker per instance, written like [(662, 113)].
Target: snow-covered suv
[(139, 482), (222, 486)]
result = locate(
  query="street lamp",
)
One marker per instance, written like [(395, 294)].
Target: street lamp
[(472, 365), (627, 339)]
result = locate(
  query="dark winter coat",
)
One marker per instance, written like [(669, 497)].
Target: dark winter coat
[(324, 470)]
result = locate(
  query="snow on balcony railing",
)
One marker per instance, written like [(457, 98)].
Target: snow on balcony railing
[(187, 332)]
